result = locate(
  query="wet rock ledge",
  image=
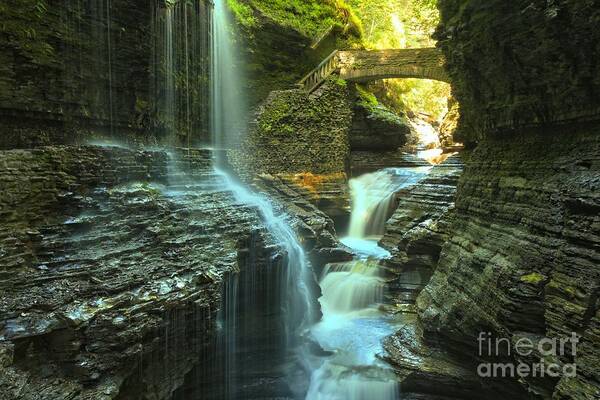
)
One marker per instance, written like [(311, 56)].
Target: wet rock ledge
[(110, 275)]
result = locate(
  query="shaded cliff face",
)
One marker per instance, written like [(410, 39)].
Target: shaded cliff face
[(516, 63), (113, 267), (119, 69), (419, 227), (522, 259), (522, 256)]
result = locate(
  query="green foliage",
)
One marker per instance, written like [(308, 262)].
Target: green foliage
[(243, 13), (354, 23), (309, 17), (418, 95), (397, 23), (404, 24)]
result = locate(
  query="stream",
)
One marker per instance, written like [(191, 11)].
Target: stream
[(353, 326)]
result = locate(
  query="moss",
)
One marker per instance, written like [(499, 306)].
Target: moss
[(533, 278), (369, 102), (366, 99), (297, 133), (339, 82), (309, 17), (271, 120), (243, 13)]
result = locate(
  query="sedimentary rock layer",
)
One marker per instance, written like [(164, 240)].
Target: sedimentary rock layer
[(419, 227), (75, 70), (519, 63), (112, 269), (523, 252)]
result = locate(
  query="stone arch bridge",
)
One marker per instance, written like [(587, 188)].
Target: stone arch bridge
[(369, 65)]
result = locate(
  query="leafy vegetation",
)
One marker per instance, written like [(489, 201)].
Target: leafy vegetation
[(404, 24), (397, 23), (309, 17), (243, 13)]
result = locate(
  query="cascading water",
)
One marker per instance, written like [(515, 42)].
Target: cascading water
[(298, 299), (353, 326), (352, 329), (263, 361), (229, 108), (373, 196), (275, 357)]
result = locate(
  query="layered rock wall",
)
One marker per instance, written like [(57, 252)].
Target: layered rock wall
[(123, 70), (522, 256), (521, 63), (419, 227), (112, 269)]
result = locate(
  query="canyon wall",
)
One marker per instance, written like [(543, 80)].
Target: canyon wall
[(110, 287), (522, 259), (80, 70), (521, 63)]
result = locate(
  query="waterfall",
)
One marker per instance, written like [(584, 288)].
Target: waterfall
[(282, 299), (359, 278), (372, 198), (297, 298), (181, 65), (352, 329), (228, 97), (248, 298)]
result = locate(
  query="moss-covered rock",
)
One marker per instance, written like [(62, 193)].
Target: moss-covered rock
[(295, 132), (284, 40), (376, 127)]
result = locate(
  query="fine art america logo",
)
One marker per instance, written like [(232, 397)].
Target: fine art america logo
[(546, 350)]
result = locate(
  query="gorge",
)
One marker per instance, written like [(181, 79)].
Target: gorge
[(321, 200)]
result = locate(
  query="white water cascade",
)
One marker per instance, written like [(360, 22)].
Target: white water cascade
[(292, 302), (353, 326), (372, 197), (298, 299), (352, 329), (229, 108)]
